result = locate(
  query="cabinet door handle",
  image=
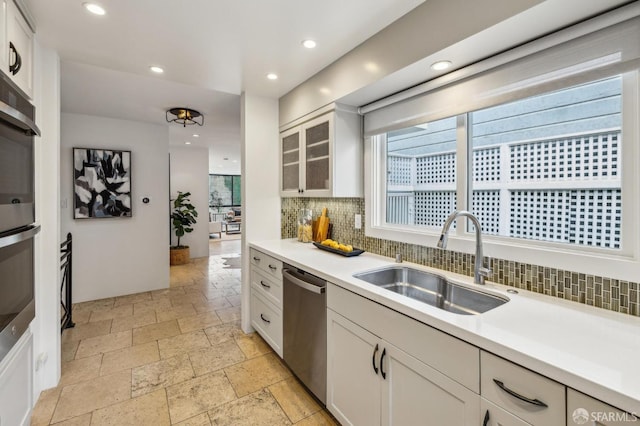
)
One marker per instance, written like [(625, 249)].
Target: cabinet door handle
[(486, 419), (17, 63), (264, 319), (273, 268), (257, 259), (373, 359), (264, 285), (514, 394), (384, 352)]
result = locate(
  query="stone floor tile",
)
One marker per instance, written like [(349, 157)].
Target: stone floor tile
[(256, 409), (199, 420), (235, 300), (187, 299), (229, 314), (321, 418), (152, 306), (130, 357), (111, 313), (84, 397), (212, 305), (133, 321), (158, 331), (43, 411), (150, 409), (198, 395), (176, 312), (223, 332), (294, 399), (161, 374), (132, 298), (256, 373), (102, 344), (183, 343), (69, 350), (84, 420), (94, 304), (198, 322), (84, 331), (212, 293), (215, 357), (80, 370), (80, 317), (252, 345)]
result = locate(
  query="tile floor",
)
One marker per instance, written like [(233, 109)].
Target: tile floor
[(174, 357)]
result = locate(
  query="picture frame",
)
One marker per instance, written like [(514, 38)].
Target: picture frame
[(101, 183)]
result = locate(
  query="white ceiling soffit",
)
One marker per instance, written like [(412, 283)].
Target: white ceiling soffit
[(220, 45)]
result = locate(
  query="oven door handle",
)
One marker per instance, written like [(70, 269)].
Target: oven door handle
[(17, 119), (303, 284), (18, 237)]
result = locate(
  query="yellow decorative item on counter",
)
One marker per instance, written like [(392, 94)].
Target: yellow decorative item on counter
[(338, 246)]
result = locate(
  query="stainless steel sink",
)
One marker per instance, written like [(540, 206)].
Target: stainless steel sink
[(432, 289)]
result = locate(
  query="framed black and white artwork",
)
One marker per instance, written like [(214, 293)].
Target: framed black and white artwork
[(101, 183)]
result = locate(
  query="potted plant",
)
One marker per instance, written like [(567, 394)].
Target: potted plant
[(183, 216)]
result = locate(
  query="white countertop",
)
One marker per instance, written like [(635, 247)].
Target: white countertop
[(589, 349)]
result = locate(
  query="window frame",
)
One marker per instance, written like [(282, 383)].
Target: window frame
[(623, 263)]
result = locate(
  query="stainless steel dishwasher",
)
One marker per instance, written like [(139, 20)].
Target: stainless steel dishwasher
[(305, 328)]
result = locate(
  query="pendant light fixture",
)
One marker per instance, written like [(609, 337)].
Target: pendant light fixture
[(184, 116)]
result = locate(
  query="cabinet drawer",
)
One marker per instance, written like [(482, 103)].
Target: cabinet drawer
[(492, 415), (269, 287), (267, 320), (266, 263), (517, 381), (581, 407)]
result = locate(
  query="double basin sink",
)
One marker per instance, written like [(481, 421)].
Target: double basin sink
[(432, 289)]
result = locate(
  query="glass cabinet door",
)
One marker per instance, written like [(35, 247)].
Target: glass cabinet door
[(291, 162), (317, 157)]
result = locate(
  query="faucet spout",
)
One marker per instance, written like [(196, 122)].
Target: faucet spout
[(480, 272)]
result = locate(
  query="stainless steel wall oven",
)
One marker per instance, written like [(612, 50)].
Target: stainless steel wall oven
[(17, 214)]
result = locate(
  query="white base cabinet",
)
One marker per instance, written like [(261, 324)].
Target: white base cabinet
[(16, 383), (584, 410), (371, 381), (266, 298)]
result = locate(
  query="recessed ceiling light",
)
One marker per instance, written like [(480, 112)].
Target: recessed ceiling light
[(235, 161), (440, 65), (187, 143), (156, 69), (272, 76), (309, 44), (94, 8), (195, 135)]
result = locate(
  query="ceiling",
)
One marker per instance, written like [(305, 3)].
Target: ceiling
[(211, 51)]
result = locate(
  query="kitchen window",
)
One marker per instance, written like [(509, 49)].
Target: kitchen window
[(542, 149)]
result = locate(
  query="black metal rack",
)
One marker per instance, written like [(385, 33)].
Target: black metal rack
[(66, 285)]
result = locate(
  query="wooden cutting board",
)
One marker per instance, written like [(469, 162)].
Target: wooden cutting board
[(323, 226)]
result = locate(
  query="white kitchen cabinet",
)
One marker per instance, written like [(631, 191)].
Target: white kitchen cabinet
[(371, 381), (266, 298), (17, 48), (492, 415), (321, 155), (527, 395), (584, 410), (16, 378)]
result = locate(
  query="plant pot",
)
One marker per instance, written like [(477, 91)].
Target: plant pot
[(179, 255)]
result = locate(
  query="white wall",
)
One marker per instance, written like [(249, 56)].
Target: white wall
[(190, 173), (260, 182), (46, 326), (113, 257)]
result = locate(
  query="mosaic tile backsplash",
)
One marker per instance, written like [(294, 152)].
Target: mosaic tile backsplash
[(607, 293)]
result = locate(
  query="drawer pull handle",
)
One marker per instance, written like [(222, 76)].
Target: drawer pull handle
[(264, 319), (273, 268), (486, 419), (384, 352), (264, 285), (373, 359), (257, 259), (514, 394)]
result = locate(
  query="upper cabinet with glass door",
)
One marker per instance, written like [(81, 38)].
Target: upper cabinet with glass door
[(321, 155)]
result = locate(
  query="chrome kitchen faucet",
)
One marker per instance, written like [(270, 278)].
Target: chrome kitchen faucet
[(479, 270)]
